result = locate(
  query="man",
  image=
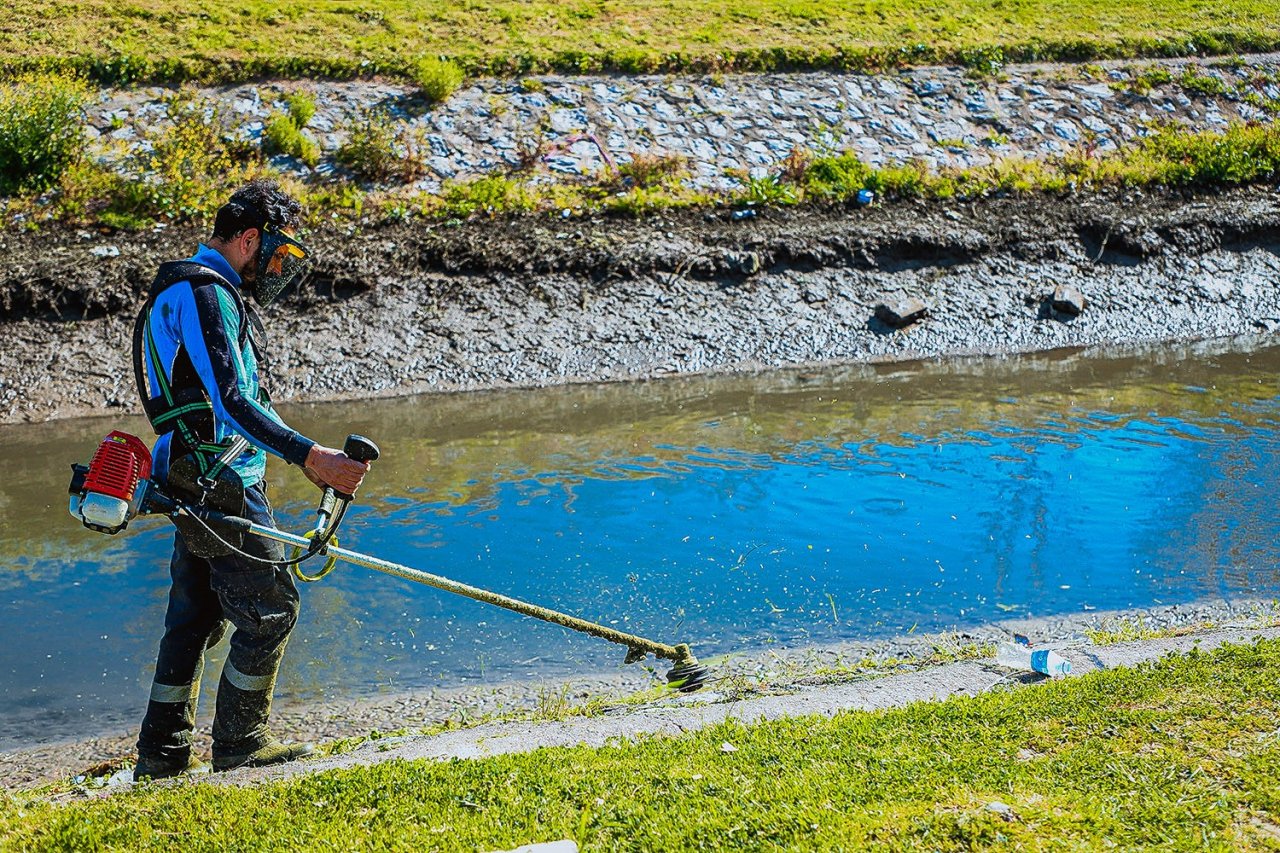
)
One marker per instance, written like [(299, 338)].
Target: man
[(196, 355)]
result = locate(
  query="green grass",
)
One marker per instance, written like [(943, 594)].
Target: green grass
[(1180, 755), (224, 40)]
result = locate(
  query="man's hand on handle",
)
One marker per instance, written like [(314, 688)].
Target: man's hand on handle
[(327, 466)]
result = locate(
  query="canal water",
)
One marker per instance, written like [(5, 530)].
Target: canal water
[(737, 514)]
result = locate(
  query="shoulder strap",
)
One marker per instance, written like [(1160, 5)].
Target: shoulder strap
[(172, 272)]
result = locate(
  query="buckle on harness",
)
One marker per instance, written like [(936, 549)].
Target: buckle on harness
[(208, 480)]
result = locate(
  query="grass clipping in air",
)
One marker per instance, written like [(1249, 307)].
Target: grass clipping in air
[(1181, 754)]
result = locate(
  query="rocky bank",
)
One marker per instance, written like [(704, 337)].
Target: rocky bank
[(531, 301)]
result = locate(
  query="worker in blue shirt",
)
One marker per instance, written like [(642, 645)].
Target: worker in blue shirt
[(197, 350)]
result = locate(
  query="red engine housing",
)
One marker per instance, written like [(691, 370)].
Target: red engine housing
[(119, 463)]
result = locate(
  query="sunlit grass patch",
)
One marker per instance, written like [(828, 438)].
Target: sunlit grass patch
[(243, 39)]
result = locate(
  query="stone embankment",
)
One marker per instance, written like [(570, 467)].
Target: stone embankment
[(944, 117)]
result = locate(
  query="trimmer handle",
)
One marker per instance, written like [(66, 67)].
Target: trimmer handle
[(358, 448), (361, 449)]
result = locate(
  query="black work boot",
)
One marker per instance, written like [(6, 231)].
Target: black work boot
[(272, 752), (167, 768)]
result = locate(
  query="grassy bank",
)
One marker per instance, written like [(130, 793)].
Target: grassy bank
[(1180, 755), (241, 39)]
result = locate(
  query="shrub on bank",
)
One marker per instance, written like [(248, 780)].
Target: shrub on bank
[(41, 130), (302, 107), (283, 133), (436, 78), (379, 149)]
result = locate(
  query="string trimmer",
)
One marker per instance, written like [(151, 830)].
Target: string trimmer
[(116, 487)]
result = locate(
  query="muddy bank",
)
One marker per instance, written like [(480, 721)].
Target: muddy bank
[(412, 307), (782, 672)]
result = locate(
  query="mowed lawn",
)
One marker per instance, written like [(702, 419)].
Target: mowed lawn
[(236, 38)]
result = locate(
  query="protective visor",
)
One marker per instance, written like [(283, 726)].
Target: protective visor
[(282, 260)]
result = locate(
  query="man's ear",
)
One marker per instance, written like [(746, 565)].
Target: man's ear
[(247, 238)]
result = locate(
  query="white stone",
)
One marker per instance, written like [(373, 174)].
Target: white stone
[(1097, 125), (1066, 129)]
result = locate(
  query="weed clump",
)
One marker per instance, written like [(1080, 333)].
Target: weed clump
[(284, 134), (41, 130), (302, 107), (1243, 153), (983, 60), (490, 195), (378, 149), (436, 78), (1148, 78), (1193, 80), (652, 170)]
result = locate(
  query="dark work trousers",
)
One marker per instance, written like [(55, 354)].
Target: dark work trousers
[(261, 603)]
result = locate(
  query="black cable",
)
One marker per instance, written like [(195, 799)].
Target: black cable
[(317, 545)]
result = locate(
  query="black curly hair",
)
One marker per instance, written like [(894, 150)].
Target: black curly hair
[(259, 202)]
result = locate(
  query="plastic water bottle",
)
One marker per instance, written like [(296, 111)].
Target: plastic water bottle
[(1047, 661)]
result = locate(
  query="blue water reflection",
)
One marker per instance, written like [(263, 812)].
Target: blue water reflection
[(795, 519)]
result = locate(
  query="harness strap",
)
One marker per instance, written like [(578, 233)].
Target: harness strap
[(187, 408)]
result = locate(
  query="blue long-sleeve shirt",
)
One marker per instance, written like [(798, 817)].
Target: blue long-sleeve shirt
[(205, 321)]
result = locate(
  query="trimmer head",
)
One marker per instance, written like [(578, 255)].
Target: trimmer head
[(687, 675)]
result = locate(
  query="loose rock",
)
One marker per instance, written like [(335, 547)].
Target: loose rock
[(747, 263), (1068, 301), (900, 313)]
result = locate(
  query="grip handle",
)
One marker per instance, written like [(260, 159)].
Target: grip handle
[(360, 449)]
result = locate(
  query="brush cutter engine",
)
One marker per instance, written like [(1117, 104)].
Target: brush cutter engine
[(111, 490)]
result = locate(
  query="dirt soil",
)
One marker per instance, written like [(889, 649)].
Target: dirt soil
[(410, 307)]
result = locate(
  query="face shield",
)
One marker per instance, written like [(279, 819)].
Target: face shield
[(282, 261)]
